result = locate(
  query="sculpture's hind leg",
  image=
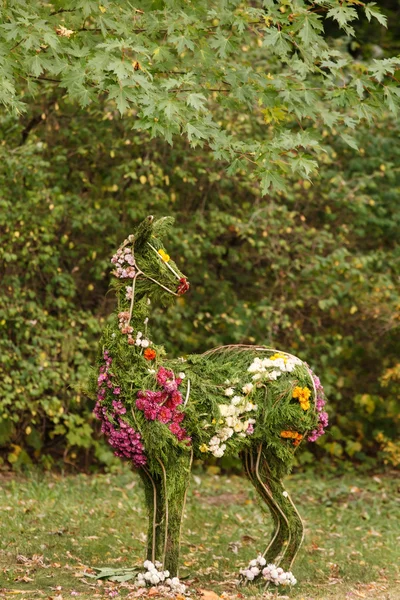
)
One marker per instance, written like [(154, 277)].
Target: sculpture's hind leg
[(284, 506), (259, 477), (296, 526)]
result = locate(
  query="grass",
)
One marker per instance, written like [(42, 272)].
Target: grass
[(54, 528)]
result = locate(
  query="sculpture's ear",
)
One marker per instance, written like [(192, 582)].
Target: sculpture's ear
[(162, 226), (143, 232)]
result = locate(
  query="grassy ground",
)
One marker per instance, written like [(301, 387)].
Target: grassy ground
[(52, 529)]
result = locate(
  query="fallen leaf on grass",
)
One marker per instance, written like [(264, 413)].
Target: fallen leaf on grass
[(208, 595), (24, 579)]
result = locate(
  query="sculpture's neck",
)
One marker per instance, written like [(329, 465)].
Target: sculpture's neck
[(134, 323)]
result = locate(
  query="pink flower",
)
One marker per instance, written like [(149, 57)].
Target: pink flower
[(178, 416), (119, 407), (164, 415), (174, 400), (164, 374), (175, 428), (117, 390), (151, 412), (250, 429)]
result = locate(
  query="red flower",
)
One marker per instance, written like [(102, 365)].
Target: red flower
[(183, 286)]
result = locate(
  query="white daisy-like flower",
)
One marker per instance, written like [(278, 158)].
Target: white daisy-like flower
[(247, 388), (236, 400), (229, 391)]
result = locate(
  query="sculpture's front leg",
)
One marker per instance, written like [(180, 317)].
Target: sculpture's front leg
[(165, 499)]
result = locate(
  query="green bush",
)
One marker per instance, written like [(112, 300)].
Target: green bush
[(314, 272)]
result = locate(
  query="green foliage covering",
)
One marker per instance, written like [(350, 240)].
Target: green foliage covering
[(313, 270), (172, 67)]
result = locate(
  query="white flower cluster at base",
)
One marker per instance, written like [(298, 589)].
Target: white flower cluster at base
[(272, 573), (155, 576)]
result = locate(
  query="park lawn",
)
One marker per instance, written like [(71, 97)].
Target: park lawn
[(54, 528)]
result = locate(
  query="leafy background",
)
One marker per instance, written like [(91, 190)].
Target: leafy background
[(312, 268)]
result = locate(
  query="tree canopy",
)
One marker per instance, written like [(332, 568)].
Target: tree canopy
[(210, 71)]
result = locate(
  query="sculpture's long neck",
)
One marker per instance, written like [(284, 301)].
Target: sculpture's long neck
[(134, 322)]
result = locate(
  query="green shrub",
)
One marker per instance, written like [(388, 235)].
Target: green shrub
[(314, 272)]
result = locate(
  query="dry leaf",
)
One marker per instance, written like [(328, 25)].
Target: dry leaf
[(209, 595)]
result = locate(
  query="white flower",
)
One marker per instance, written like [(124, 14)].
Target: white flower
[(215, 441), (151, 371), (247, 388), (255, 570), (236, 400), (139, 335), (227, 382), (256, 377), (148, 565), (181, 375), (250, 575), (261, 561), (274, 574), (285, 494), (138, 342), (273, 375), (145, 343), (218, 452), (166, 573), (253, 563), (175, 581), (146, 320), (148, 576), (229, 392)]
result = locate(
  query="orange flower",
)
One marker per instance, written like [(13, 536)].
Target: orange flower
[(149, 354), (294, 435)]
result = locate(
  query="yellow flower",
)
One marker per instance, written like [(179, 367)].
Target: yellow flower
[(303, 395), (164, 255), (279, 355), (203, 448)]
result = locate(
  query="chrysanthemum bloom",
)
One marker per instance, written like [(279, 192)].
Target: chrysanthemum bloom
[(149, 354)]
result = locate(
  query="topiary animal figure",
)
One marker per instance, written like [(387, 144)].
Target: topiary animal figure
[(160, 413)]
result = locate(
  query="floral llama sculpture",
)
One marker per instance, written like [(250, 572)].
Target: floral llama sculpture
[(251, 401)]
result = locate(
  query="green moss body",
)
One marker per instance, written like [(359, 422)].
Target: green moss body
[(211, 385)]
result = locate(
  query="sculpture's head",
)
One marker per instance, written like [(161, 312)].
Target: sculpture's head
[(143, 266)]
